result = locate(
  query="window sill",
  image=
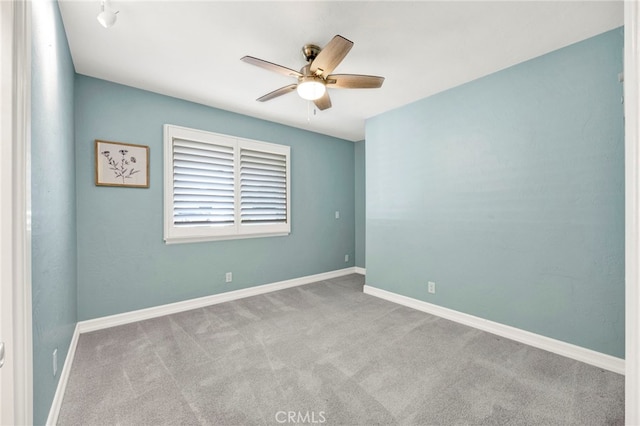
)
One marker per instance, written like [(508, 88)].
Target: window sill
[(184, 240)]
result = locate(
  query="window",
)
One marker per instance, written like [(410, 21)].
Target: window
[(220, 187)]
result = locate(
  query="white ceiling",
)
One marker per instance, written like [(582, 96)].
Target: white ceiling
[(192, 49)]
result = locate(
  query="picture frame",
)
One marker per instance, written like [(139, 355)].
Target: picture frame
[(121, 164)]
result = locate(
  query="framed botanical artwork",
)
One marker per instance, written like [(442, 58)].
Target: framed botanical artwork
[(122, 164)]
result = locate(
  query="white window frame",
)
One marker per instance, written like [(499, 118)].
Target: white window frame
[(199, 233)]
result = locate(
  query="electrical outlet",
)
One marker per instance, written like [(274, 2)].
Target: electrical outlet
[(228, 277), (431, 287), (346, 257), (55, 362), (337, 214)]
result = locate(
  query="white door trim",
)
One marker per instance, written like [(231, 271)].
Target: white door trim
[(15, 209), (6, 264), (632, 210)]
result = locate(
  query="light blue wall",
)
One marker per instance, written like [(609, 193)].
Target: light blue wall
[(123, 263), (508, 192), (360, 211), (53, 201)]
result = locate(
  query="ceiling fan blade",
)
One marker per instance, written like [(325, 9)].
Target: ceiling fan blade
[(270, 66), (331, 55), (354, 81), (278, 92), (324, 102)]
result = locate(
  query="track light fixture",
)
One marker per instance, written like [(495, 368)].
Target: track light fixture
[(107, 17)]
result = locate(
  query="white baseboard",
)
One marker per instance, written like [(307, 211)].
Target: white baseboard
[(172, 308), (361, 271), (568, 350), (54, 411)]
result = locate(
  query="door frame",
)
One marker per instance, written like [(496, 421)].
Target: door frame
[(632, 211), (15, 210)]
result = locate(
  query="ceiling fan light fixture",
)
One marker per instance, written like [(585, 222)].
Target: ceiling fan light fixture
[(311, 88), (106, 17), (314, 78)]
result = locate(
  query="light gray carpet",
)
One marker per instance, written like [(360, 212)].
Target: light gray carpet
[(328, 354)]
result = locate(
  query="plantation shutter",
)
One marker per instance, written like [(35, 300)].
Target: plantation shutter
[(263, 187), (203, 183), (220, 187)]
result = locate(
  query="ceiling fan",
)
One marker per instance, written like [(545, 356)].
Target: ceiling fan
[(315, 77)]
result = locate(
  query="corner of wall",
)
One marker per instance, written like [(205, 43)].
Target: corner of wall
[(360, 202)]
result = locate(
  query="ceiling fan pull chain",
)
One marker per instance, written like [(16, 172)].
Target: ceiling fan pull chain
[(315, 111)]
